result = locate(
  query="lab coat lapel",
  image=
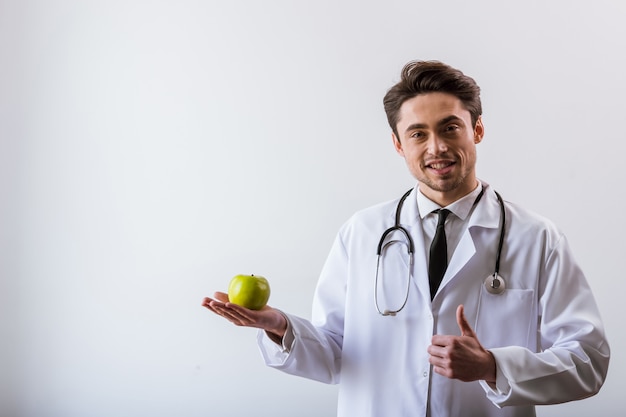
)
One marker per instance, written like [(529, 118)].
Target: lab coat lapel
[(412, 221), (486, 215), (463, 253)]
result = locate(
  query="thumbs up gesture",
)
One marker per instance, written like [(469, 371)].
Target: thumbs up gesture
[(462, 357)]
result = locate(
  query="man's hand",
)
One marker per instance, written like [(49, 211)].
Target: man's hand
[(462, 357), (268, 318)]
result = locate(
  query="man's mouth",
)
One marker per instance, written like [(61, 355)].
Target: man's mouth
[(440, 165)]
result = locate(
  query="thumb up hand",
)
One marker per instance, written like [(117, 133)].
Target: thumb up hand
[(462, 357)]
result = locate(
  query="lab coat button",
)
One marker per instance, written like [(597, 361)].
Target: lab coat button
[(425, 374)]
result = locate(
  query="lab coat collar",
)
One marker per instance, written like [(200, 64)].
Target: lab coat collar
[(486, 213), (461, 207)]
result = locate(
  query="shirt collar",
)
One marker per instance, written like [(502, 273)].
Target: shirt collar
[(461, 207)]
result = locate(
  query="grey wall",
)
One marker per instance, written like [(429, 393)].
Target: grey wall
[(150, 150)]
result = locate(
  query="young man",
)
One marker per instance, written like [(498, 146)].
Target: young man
[(448, 336)]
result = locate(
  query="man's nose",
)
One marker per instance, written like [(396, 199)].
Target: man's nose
[(437, 145)]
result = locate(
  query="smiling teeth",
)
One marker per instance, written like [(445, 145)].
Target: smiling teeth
[(439, 165)]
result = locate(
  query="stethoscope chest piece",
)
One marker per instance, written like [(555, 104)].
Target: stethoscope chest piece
[(494, 284)]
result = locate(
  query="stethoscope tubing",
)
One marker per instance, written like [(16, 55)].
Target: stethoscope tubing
[(411, 249), (501, 240)]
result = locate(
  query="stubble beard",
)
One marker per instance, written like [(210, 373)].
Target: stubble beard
[(445, 184)]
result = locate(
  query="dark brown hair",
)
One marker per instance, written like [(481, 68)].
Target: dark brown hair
[(421, 77)]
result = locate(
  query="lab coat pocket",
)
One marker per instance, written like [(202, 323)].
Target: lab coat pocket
[(504, 319)]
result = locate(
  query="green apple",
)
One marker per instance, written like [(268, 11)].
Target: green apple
[(249, 291)]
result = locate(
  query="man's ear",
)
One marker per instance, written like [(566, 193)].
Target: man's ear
[(479, 130), (397, 144)]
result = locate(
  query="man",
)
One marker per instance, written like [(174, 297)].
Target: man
[(456, 339)]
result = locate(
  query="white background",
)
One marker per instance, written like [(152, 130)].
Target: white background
[(150, 150)]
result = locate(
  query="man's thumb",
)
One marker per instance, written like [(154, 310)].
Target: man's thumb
[(466, 329)]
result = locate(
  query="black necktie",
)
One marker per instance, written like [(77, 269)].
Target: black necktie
[(438, 254)]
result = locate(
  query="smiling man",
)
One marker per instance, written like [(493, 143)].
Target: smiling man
[(409, 315), (437, 137)]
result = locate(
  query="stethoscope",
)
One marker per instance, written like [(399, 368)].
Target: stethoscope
[(494, 283)]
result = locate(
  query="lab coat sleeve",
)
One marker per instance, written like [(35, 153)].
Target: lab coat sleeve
[(315, 352), (573, 357)]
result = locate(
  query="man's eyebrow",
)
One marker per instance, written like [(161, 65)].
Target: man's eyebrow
[(451, 118), (415, 126), (445, 120)]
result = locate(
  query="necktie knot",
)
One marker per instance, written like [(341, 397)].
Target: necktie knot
[(442, 216)]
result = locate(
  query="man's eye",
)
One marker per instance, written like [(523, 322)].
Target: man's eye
[(451, 129), (417, 135)]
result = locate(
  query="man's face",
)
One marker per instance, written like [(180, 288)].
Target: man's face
[(438, 142)]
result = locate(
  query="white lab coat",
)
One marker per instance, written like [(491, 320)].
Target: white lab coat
[(544, 331)]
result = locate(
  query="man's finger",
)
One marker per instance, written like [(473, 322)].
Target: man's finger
[(466, 329), (221, 296)]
